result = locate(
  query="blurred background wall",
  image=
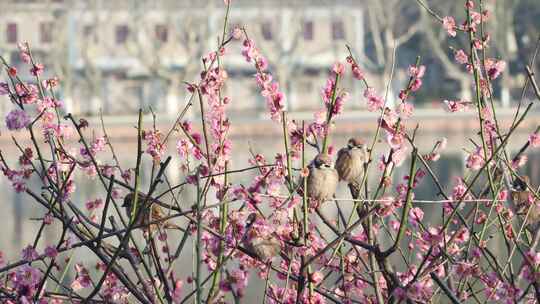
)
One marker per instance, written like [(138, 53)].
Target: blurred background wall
[(124, 54)]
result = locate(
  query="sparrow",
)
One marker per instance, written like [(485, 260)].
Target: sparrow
[(522, 198), (265, 246), (350, 160), (322, 179), (150, 212)]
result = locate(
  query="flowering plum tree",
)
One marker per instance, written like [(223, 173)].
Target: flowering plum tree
[(383, 251)]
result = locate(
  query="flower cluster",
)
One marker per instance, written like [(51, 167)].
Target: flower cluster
[(211, 85), (456, 106), (374, 101), (154, 145), (449, 24), (17, 119), (275, 99), (355, 69)]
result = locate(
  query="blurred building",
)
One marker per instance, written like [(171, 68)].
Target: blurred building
[(124, 54)]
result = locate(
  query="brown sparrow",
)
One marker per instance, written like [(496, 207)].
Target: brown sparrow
[(350, 160), (520, 196), (265, 246), (150, 212), (322, 179)]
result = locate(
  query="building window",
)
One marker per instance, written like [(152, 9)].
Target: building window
[(338, 31), (46, 32), (266, 29), (88, 30), (311, 72), (122, 33), (162, 32), (307, 29), (11, 33), (90, 34)]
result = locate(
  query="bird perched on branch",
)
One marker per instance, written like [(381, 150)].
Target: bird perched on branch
[(524, 199), (150, 212), (322, 180), (265, 245), (350, 160)]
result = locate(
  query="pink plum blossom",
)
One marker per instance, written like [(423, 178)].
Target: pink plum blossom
[(17, 119), (338, 68), (405, 110), (417, 71), (494, 68), (475, 160), (177, 292), (82, 279), (374, 101), (29, 253), (534, 140), (449, 24), (51, 252), (415, 216), (456, 106), (461, 57)]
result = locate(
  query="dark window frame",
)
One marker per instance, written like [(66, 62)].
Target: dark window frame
[(46, 32), (338, 30), (12, 32), (266, 31), (308, 30), (162, 32), (121, 33)]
